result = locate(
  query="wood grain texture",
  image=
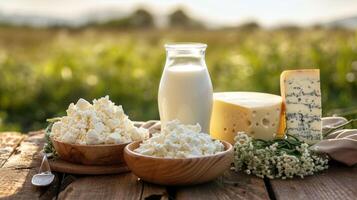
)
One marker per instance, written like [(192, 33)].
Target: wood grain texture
[(123, 186), (338, 182), (8, 143), (59, 165), (16, 184), (231, 185), (27, 154), (13, 182), (152, 191), (16, 174), (105, 154), (187, 171)]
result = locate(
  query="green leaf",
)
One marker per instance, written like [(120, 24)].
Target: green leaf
[(48, 147)]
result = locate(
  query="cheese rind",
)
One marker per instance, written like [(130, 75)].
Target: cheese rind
[(257, 114), (301, 93)]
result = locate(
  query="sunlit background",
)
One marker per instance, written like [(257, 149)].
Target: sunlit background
[(54, 52)]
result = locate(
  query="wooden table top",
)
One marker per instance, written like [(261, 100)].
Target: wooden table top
[(20, 160)]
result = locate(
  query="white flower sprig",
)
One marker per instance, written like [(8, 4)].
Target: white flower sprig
[(279, 158)]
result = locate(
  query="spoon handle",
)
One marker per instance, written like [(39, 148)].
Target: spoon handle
[(45, 166)]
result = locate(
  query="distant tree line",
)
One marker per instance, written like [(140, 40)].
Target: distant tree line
[(142, 18)]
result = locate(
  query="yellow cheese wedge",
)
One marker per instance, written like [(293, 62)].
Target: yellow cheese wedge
[(257, 114)]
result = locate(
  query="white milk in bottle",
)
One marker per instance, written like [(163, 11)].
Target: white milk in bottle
[(185, 91)]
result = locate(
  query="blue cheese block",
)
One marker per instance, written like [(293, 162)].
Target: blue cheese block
[(301, 93)]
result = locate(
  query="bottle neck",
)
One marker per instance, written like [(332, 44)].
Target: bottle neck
[(185, 59), (198, 53), (185, 54)]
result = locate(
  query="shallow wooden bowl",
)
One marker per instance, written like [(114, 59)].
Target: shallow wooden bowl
[(105, 154), (178, 171)]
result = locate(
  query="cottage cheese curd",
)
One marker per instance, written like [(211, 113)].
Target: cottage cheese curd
[(177, 140), (102, 122)]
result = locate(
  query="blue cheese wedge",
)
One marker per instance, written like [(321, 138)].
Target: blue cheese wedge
[(301, 93)]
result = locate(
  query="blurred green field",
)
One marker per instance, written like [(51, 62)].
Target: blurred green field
[(42, 71)]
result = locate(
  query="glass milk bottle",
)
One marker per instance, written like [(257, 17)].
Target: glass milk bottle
[(185, 91)]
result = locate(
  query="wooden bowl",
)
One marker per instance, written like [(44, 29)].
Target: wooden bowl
[(178, 171), (105, 154)]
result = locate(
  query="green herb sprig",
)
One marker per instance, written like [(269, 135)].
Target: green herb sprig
[(287, 144), (48, 148)]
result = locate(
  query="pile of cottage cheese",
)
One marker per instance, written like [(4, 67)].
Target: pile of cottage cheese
[(177, 140), (102, 122)]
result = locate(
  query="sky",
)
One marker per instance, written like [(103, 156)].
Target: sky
[(216, 12)]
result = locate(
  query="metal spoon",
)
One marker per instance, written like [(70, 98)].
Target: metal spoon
[(44, 177)]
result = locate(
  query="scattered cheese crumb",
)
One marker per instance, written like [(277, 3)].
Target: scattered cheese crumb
[(180, 141), (99, 123)]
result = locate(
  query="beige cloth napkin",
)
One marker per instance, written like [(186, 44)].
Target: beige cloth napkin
[(340, 145)]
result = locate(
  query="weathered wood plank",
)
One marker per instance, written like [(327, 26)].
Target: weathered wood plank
[(123, 186), (14, 181), (16, 184), (151, 191), (338, 182), (231, 185), (27, 153), (8, 143), (17, 171)]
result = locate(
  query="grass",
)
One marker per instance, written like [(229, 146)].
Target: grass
[(42, 71)]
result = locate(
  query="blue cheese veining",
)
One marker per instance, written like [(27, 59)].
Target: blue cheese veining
[(301, 93)]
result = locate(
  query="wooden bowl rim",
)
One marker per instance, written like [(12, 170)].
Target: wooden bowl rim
[(228, 147), (90, 145)]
